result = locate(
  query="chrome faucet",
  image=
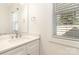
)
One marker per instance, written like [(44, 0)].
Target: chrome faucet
[(18, 35)]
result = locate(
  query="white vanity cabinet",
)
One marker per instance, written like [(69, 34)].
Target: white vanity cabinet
[(30, 48)]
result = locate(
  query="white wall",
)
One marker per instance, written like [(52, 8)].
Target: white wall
[(41, 24), (4, 19), (24, 18), (34, 18)]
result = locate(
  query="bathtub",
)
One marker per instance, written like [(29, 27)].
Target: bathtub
[(61, 45), (65, 40)]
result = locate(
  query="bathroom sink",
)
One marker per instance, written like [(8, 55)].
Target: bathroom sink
[(26, 37), (10, 41)]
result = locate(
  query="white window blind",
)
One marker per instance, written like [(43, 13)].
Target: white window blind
[(67, 17)]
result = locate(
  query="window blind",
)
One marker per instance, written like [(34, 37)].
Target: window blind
[(63, 8)]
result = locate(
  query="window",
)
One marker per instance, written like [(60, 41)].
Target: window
[(67, 19)]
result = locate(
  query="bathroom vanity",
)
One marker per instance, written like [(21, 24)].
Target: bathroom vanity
[(26, 45)]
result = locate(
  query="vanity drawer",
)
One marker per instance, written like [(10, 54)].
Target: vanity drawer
[(21, 50), (33, 43), (33, 48)]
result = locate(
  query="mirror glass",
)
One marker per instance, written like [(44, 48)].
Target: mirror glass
[(13, 18)]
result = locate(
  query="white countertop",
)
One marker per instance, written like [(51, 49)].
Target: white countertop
[(6, 44)]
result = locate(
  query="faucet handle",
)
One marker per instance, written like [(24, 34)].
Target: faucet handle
[(20, 35), (12, 37)]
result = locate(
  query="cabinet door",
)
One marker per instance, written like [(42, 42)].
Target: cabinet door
[(33, 48), (34, 51), (27, 49)]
